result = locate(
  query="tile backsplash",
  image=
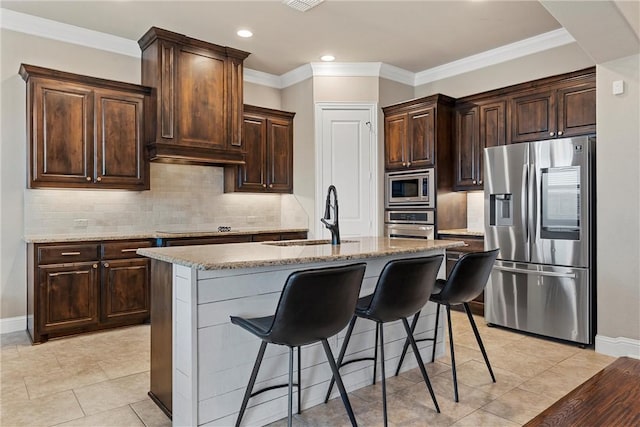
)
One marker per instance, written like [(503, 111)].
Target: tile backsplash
[(181, 197), (475, 211)]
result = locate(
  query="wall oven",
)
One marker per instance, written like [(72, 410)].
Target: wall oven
[(417, 224), (408, 189)]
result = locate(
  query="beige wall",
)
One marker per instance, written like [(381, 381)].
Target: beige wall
[(559, 60), (618, 199), (262, 96), (180, 196), (345, 89), (299, 98)]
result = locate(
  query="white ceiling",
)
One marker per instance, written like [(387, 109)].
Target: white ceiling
[(413, 35)]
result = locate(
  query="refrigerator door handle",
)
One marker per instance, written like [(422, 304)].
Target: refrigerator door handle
[(536, 272), (524, 207)]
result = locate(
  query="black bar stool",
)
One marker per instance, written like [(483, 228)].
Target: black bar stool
[(403, 288), (314, 305), (467, 279)]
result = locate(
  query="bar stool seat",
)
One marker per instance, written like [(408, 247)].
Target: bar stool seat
[(314, 305), (466, 281), (403, 288)]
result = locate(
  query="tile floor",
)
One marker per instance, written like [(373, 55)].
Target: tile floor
[(102, 379)]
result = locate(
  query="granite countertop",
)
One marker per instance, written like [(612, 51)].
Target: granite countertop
[(461, 232), (163, 233), (251, 255)]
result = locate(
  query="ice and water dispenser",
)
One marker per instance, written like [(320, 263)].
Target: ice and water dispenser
[(501, 209)]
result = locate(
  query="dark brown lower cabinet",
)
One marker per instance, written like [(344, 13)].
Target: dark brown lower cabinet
[(85, 286), (473, 244)]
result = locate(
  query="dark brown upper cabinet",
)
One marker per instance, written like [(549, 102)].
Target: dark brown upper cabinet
[(196, 114), (268, 147), (412, 129), (84, 132), (477, 127), (564, 108)]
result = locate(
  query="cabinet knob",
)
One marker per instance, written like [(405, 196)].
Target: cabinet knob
[(270, 185), (560, 132), (88, 178), (551, 133), (404, 163), (99, 179), (408, 164), (106, 265), (474, 181), (480, 182), (264, 185), (95, 265)]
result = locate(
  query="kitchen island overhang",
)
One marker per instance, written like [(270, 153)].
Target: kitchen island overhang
[(197, 288)]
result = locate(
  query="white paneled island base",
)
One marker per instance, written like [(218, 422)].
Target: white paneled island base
[(212, 359)]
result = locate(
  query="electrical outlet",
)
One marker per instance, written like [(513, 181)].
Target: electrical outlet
[(618, 87), (81, 223)]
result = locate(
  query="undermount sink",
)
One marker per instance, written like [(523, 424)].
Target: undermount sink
[(305, 242)]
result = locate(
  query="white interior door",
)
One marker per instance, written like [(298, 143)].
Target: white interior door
[(346, 158)]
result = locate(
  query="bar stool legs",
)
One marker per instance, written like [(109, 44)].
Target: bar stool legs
[(479, 340), (453, 356), (252, 380), (338, 380)]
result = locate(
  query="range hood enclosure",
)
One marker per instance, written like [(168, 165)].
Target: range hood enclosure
[(195, 113)]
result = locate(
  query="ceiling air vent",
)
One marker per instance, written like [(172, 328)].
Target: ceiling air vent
[(302, 5)]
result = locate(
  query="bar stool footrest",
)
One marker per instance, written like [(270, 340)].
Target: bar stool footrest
[(273, 387)]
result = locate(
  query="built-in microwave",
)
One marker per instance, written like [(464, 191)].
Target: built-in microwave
[(414, 188)]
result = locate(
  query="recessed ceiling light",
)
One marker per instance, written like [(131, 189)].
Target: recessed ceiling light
[(328, 58), (244, 33)]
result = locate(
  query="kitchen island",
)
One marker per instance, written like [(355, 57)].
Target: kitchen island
[(201, 363)]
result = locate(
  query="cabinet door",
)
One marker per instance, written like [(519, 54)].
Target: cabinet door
[(280, 155), (467, 146), (421, 141), (395, 135), (67, 296), (61, 126), (577, 110), (201, 99), (119, 142), (252, 175), (492, 132), (125, 289), (533, 117)]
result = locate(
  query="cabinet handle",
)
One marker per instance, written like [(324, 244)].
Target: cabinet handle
[(106, 265), (560, 132), (69, 253), (95, 265), (551, 133), (99, 179), (129, 250), (88, 178)]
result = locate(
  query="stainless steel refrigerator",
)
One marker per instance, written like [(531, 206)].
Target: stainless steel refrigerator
[(539, 211)]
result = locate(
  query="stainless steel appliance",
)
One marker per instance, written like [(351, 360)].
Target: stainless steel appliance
[(413, 224), (539, 212), (408, 189)]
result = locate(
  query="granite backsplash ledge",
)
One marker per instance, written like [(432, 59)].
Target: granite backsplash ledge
[(180, 196)]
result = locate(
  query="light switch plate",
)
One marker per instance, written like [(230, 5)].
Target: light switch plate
[(618, 87)]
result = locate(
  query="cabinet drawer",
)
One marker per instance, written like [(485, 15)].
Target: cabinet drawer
[(208, 240), (294, 235), (57, 254), (121, 250), (266, 237)]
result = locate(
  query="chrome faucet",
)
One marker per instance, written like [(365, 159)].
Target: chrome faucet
[(334, 228)]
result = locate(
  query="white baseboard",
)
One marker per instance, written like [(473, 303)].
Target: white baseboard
[(13, 324), (618, 347)]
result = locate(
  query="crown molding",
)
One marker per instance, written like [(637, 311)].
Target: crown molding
[(539, 43), (49, 29), (262, 78)]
